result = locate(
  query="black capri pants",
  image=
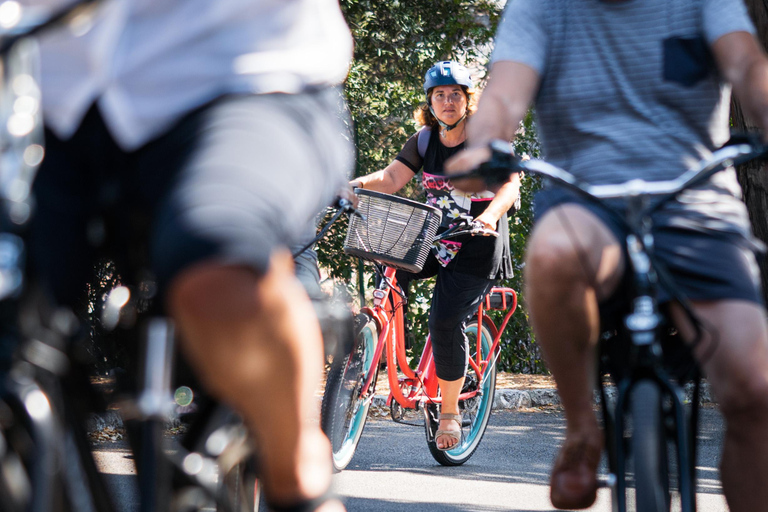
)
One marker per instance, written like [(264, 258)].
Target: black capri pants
[(455, 298)]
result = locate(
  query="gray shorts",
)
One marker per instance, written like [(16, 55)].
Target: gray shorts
[(712, 265), (230, 182)]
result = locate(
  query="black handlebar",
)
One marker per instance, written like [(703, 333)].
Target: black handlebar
[(467, 226), (503, 163), (342, 206)]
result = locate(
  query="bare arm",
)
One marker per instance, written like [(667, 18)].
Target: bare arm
[(511, 89), (744, 64), (388, 180), (503, 201)]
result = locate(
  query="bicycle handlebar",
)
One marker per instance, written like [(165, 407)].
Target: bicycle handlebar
[(503, 163), (720, 159), (467, 226), (342, 206)]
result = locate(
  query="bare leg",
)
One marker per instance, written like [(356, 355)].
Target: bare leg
[(737, 369), (572, 262), (449, 391), (255, 345)]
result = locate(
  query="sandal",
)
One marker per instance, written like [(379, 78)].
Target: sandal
[(455, 435)]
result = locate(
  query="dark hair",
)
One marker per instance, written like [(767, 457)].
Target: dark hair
[(425, 118)]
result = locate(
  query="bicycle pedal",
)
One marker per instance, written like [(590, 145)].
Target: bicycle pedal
[(606, 481), (398, 414), (396, 411)]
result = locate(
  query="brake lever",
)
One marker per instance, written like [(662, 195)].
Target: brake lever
[(347, 207)]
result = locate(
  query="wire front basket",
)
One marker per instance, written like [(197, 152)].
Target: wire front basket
[(397, 232)]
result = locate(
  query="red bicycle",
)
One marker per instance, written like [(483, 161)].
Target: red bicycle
[(398, 233)]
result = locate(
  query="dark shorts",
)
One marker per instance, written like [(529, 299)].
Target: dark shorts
[(704, 266), (230, 183)]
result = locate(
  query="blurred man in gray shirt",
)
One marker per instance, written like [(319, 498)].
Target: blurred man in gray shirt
[(626, 89)]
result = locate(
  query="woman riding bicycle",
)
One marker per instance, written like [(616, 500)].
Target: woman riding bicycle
[(466, 267)]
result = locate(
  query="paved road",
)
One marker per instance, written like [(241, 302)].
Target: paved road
[(393, 470)]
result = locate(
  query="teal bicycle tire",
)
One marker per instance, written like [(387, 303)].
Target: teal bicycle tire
[(344, 411), (476, 412)]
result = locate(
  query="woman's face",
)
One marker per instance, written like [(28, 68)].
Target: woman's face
[(449, 103)]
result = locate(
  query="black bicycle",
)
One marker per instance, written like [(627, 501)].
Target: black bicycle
[(46, 463), (641, 354)]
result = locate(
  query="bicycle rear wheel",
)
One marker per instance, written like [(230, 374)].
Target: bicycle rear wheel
[(345, 409), (649, 449), (475, 411)]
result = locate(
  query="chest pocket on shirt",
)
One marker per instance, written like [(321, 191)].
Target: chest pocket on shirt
[(687, 60)]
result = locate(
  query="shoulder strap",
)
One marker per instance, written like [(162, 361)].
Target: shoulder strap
[(423, 140)]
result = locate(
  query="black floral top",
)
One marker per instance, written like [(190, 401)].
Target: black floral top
[(476, 255)]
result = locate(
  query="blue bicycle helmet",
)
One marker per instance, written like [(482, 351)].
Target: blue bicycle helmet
[(447, 72)]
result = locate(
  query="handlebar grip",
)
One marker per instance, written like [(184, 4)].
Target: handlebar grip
[(754, 139), (501, 165)]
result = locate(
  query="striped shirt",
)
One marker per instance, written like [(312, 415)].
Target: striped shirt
[(630, 89)]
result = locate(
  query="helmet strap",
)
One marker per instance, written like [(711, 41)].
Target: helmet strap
[(445, 126)]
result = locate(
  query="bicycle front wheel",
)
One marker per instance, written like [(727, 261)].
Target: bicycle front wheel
[(649, 449), (475, 411), (239, 489), (345, 409), (17, 459)]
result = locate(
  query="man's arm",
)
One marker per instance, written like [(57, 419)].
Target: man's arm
[(744, 64), (511, 89)]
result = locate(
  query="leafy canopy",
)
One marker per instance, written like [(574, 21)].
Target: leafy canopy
[(395, 43)]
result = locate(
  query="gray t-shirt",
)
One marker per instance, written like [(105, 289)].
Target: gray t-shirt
[(629, 90)]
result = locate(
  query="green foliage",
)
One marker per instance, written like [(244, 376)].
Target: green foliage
[(519, 352), (395, 43)]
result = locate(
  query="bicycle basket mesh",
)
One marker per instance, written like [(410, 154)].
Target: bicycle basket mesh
[(397, 232)]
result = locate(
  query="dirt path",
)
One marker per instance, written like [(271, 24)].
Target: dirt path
[(504, 380)]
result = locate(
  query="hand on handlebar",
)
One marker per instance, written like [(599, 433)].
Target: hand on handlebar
[(465, 162), (468, 226), (348, 202), (480, 229), (347, 194)]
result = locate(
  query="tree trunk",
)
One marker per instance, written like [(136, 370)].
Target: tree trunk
[(753, 176)]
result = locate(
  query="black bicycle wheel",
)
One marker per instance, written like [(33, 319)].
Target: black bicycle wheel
[(239, 490), (344, 408), (649, 449), (16, 456), (475, 412)]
